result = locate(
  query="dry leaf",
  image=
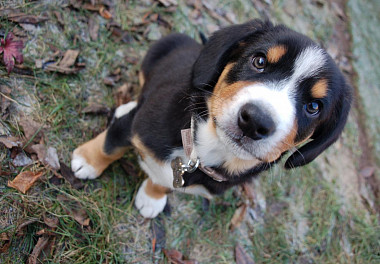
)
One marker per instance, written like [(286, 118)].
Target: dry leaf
[(241, 257), (174, 256), (91, 7), (79, 214), (105, 13), (238, 216), (70, 177), (59, 17), (25, 180), (25, 18), (48, 156), (96, 108), (51, 221), (4, 248), (41, 244), (10, 142), (69, 58), (31, 128), (93, 28)]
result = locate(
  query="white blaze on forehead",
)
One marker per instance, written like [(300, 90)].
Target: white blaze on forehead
[(308, 63)]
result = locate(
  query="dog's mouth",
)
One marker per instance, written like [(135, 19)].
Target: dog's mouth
[(241, 145)]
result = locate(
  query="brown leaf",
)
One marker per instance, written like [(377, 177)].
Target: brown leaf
[(60, 69), (25, 180), (4, 237), (48, 156), (91, 7), (111, 80), (241, 257), (238, 216), (26, 18), (4, 248), (75, 210), (105, 13), (93, 28), (69, 58), (10, 142), (174, 256), (31, 129), (96, 108), (59, 17), (41, 244), (123, 94), (70, 177), (51, 221)]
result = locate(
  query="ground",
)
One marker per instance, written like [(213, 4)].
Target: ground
[(326, 212)]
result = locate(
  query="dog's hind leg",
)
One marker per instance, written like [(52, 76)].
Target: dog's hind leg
[(93, 157)]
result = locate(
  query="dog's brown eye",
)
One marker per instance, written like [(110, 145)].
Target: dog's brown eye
[(313, 108), (259, 62)]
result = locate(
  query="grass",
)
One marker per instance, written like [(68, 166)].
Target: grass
[(298, 216)]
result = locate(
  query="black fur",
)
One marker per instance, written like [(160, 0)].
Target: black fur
[(180, 75)]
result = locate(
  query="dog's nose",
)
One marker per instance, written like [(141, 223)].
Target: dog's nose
[(254, 122)]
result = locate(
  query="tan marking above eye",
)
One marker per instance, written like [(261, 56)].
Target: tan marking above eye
[(319, 90), (275, 53)]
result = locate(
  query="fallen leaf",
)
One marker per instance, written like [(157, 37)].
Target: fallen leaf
[(41, 244), (12, 50), (93, 28), (112, 79), (174, 256), (4, 237), (10, 142), (70, 177), (69, 58), (59, 17), (96, 108), (123, 94), (241, 257), (249, 191), (32, 130), (105, 13), (26, 223), (238, 216), (26, 18), (4, 248), (25, 180), (48, 156), (75, 210), (51, 221), (92, 7)]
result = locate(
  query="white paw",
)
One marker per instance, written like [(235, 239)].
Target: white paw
[(148, 206), (125, 109), (81, 168)]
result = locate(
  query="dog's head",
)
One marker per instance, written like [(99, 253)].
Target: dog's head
[(268, 89)]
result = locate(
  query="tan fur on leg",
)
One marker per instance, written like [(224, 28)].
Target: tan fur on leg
[(92, 154), (154, 190)]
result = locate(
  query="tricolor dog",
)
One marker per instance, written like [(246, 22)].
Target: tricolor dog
[(215, 115)]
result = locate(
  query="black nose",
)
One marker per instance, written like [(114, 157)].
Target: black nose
[(254, 122)]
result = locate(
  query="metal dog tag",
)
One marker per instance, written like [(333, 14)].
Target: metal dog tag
[(178, 171)]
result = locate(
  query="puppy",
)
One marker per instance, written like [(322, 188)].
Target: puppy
[(214, 116)]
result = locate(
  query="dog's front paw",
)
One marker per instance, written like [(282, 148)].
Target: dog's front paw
[(81, 168), (148, 206)]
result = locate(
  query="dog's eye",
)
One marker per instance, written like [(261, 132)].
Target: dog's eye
[(259, 62), (313, 108)]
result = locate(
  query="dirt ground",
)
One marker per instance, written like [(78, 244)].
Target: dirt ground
[(81, 59)]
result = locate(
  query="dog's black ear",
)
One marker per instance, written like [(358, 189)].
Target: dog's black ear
[(215, 54), (327, 132)]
